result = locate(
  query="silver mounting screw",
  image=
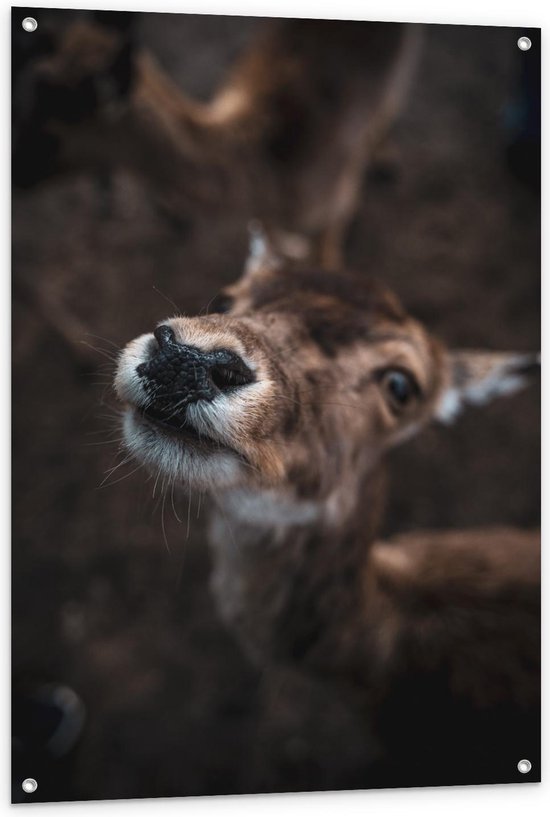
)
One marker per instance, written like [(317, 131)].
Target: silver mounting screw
[(29, 785), (29, 24)]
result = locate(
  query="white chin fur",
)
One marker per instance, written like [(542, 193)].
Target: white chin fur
[(177, 461)]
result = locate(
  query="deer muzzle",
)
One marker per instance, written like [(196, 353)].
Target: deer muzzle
[(178, 375)]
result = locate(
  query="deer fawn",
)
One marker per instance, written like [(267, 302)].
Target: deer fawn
[(282, 404), (286, 138)]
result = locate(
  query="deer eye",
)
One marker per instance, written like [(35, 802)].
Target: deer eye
[(400, 388), (221, 303)]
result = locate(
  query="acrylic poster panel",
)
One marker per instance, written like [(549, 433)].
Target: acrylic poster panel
[(215, 589)]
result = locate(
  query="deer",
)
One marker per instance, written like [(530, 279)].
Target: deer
[(282, 403), (286, 138)]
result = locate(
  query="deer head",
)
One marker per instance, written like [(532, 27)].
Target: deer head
[(285, 138), (297, 380)]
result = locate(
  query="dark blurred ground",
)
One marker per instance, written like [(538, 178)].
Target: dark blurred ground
[(101, 603)]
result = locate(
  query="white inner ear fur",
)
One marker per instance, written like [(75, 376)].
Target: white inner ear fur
[(491, 376), (261, 254)]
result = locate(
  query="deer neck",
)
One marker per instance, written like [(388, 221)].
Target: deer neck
[(290, 576)]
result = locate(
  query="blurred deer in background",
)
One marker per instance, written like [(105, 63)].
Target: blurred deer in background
[(287, 137), (282, 405)]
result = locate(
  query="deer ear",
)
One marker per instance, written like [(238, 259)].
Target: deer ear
[(274, 249), (262, 256), (477, 378)]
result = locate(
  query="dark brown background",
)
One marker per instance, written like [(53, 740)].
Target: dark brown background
[(100, 602)]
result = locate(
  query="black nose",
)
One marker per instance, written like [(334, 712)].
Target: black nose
[(179, 374), (165, 336)]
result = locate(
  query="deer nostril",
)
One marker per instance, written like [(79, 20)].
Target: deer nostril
[(164, 335), (230, 375)]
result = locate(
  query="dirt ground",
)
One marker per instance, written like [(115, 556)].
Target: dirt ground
[(101, 601)]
